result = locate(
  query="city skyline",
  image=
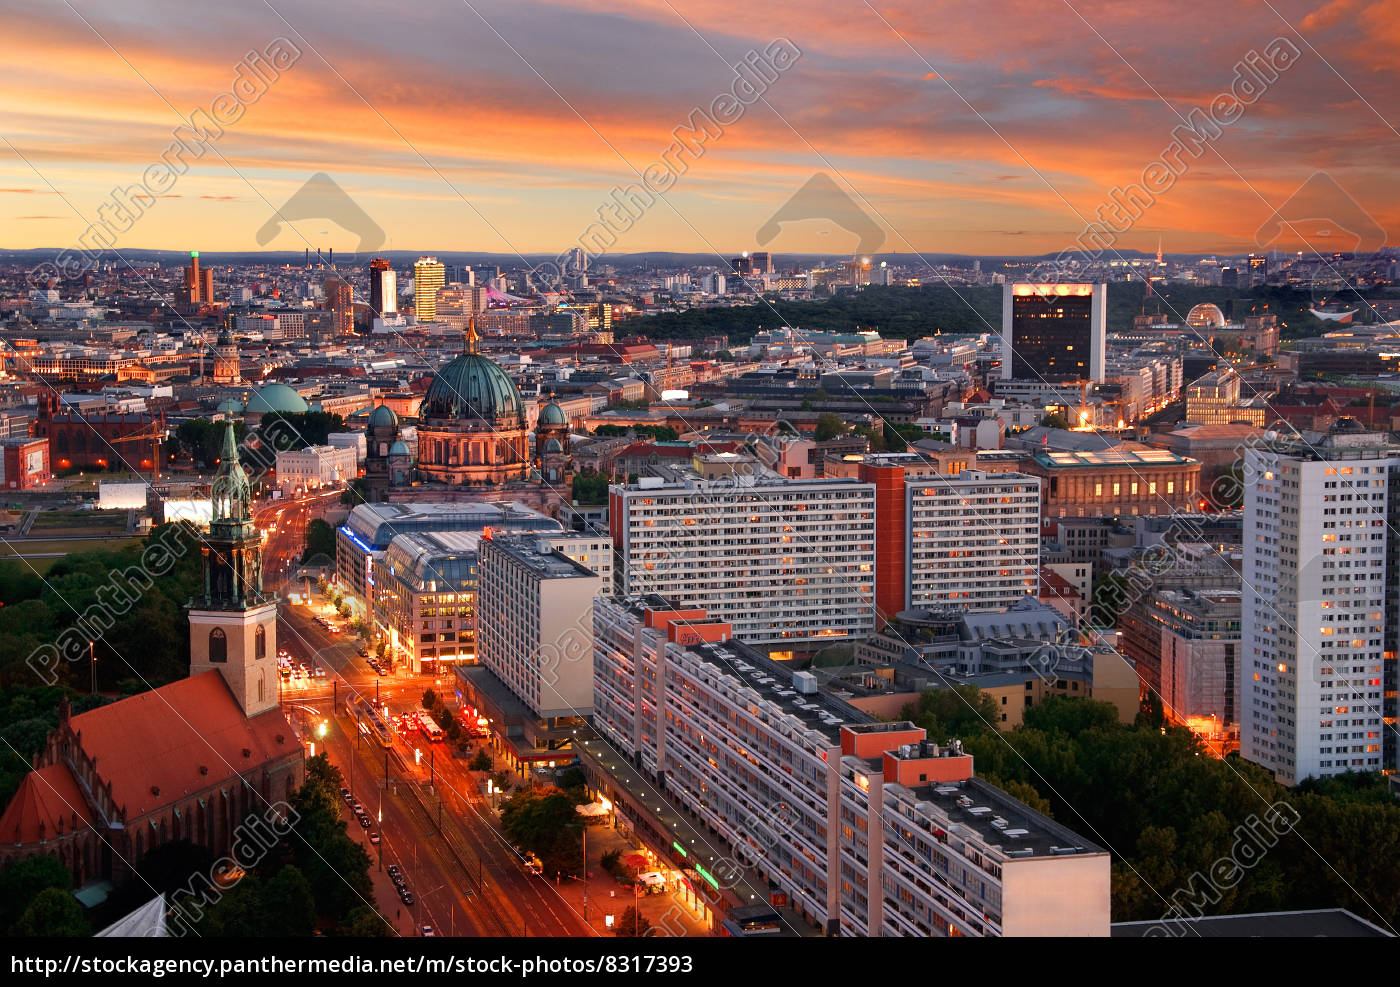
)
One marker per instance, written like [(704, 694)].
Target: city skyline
[(511, 133)]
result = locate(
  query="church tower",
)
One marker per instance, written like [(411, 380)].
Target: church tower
[(226, 369), (233, 623)]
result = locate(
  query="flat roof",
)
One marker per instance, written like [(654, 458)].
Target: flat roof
[(772, 682), (542, 558), (1000, 821), (1115, 456)]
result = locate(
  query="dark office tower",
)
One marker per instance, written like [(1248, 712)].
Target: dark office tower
[(338, 300), (1229, 277), (331, 258), (306, 262), (742, 265), (1053, 332), (762, 262), (383, 289)]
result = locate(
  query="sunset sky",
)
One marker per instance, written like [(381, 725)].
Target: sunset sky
[(501, 126)]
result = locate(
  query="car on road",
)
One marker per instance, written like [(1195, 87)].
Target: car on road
[(320, 672), (357, 808), (345, 794), (374, 838), (427, 932), (364, 821), (362, 651)]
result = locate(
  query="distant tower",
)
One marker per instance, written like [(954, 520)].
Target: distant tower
[(552, 443), (383, 292), (381, 436), (233, 623), (226, 369), (428, 276), (1159, 250), (339, 301)]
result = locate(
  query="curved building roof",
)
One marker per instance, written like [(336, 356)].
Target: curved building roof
[(1206, 315), (383, 417), (276, 397), (472, 387), (552, 414)]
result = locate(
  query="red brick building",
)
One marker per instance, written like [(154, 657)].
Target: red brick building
[(24, 463), (98, 442)]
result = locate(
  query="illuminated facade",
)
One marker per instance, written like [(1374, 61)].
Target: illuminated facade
[(787, 562), (428, 277), (973, 539), (1054, 332), (1319, 620), (866, 828)]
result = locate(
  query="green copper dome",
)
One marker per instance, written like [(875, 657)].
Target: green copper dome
[(552, 414), (383, 417), (276, 397), (472, 387)]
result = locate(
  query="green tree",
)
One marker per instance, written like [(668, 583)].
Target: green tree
[(955, 713), (52, 913), (590, 488), (290, 904), (1055, 420), (364, 922), (320, 541), (481, 762), (335, 866), (631, 924), (23, 880), (430, 699), (829, 426), (545, 821)]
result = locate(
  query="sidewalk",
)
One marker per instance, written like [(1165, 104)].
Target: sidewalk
[(669, 914)]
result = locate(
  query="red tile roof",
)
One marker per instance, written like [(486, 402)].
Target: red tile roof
[(48, 804), (178, 739)]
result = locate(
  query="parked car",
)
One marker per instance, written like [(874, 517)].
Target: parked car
[(406, 896), (374, 838), (427, 932)]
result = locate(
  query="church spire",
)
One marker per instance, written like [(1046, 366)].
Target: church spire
[(473, 340)]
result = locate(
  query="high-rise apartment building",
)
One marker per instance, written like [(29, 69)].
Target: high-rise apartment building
[(866, 827), (973, 539), (787, 562), (428, 276), (383, 289), (1054, 332), (1319, 614)]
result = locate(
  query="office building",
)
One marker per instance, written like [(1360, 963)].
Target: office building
[(1215, 400), (1054, 332), (371, 527), (198, 285), (789, 563), (973, 539), (383, 289), (864, 827), (428, 277), (535, 624), (315, 467), (1319, 615), (339, 302)]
